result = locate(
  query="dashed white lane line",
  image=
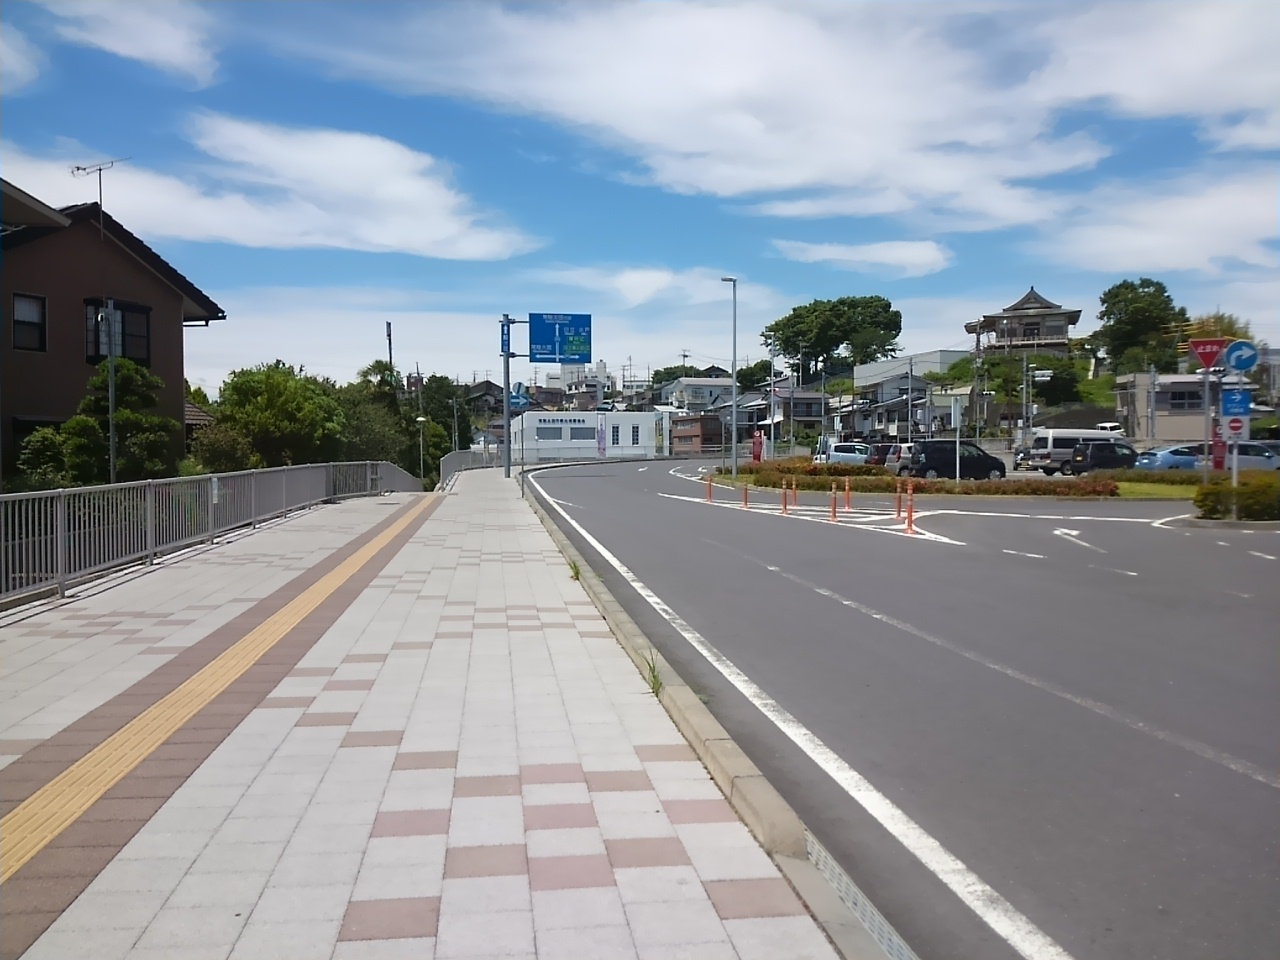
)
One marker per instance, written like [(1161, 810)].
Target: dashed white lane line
[(1127, 573), (1013, 927), (1168, 736), (1259, 553), (1019, 553)]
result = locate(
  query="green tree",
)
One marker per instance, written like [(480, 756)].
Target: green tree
[(370, 431), (1140, 326), (862, 329), (1063, 386), (195, 394), (220, 448), (753, 376), (287, 416), (42, 460), (667, 374), (147, 444)]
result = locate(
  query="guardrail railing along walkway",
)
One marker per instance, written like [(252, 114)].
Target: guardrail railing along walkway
[(50, 539)]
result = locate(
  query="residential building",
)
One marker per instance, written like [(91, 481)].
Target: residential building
[(61, 271), (484, 396), (1172, 409), (1034, 324), (698, 433), (696, 394)]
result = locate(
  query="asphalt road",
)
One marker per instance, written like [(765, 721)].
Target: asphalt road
[(1078, 702)]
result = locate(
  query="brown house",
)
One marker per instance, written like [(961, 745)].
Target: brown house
[(697, 434), (59, 268)]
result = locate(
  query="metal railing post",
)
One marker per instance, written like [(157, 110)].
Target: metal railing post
[(253, 499), (149, 508), (60, 541), (212, 487)]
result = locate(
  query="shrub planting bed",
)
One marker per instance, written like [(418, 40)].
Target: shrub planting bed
[(1257, 497), (1087, 486)]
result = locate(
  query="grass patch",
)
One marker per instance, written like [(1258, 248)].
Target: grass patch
[(1156, 491), (652, 675), (574, 570)]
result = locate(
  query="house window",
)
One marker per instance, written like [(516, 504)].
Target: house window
[(29, 323), (1185, 400), (131, 325), (582, 433), (635, 434), (615, 435), (548, 433)]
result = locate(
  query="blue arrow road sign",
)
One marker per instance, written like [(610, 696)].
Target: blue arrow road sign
[(1235, 403), (1240, 356)]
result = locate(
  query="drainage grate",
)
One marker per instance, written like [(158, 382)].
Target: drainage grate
[(880, 929)]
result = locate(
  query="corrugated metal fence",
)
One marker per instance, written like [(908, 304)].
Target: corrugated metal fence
[(52, 538)]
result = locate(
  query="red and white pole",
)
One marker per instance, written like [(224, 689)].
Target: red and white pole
[(848, 504), (897, 513), (708, 488), (911, 506), (833, 502)]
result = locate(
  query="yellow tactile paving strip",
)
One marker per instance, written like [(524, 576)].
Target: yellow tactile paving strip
[(29, 827)]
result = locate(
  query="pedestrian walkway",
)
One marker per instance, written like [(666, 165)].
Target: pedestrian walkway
[(387, 728)]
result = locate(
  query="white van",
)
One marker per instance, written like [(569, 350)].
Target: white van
[(1051, 449)]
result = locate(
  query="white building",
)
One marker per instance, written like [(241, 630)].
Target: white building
[(539, 436)]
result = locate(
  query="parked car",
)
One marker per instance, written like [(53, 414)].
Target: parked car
[(879, 453), (1253, 456), (937, 458), (898, 460), (1272, 445), (1022, 458), (845, 453), (1052, 449), (1102, 455), (1169, 458)]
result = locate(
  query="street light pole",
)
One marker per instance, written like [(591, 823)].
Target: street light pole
[(733, 370), (422, 473)]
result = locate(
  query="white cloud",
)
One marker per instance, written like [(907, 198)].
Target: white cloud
[(874, 108), (19, 60), (629, 287), (898, 258), (1197, 223), (175, 36), (286, 188)]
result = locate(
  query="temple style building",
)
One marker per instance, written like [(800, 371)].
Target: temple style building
[(1032, 325)]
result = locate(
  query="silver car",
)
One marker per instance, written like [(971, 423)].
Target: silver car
[(1253, 456), (845, 453)]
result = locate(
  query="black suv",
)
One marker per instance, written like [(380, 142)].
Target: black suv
[(937, 458), (1103, 455)]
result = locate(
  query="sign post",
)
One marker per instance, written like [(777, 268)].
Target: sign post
[(1240, 357), (1207, 350)]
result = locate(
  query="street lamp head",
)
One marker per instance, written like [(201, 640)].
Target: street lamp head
[(728, 279), (422, 419)]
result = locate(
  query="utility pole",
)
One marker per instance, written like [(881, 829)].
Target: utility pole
[(390, 360), (1151, 401), (106, 313), (911, 385), (733, 369)]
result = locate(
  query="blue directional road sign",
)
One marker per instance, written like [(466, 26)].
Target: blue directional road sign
[(506, 338), (1240, 356), (1235, 403), (559, 338)]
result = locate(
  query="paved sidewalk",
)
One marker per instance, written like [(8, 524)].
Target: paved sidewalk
[(454, 758)]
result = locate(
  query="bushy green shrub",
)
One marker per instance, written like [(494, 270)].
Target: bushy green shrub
[(1256, 498), (807, 468), (1087, 486)]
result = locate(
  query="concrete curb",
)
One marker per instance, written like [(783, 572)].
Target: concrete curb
[(767, 815), (1264, 525)]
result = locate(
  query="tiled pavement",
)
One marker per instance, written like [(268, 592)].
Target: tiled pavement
[(455, 760)]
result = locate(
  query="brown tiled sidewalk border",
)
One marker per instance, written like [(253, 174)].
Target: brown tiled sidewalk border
[(38, 893)]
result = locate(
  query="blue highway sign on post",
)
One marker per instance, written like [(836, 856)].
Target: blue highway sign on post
[(560, 338), (1235, 403), (506, 339), (1240, 356)]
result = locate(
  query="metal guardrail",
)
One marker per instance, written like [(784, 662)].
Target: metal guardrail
[(49, 539), (457, 460)]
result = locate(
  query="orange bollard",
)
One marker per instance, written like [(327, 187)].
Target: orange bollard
[(795, 493), (708, 488), (848, 504), (911, 507), (784, 498), (744, 496), (897, 513), (833, 502)]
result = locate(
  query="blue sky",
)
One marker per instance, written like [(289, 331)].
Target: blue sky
[(320, 168)]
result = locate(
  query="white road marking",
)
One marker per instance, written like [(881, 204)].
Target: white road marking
[(1028, 516), (642, 469), (1127, 573), (1017, 930), (1223, 543), (1237, 593), (1074, 537), (1202, 750), (563, 503), (1019, 553), (1259, 553), (1161, 523), (821, 515)]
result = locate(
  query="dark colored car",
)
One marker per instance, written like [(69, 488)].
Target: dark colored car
[(1103, 455), (1022, 458), (937, 458), (878, 453)]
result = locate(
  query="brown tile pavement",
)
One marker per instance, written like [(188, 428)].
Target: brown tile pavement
[(426, 760), (402, 919), (608, 781), (373, 738), (411, 823), (499, 860), (740, 899), (80, 852), (568, 873), (699, 811), (647, 852), (497, 786)]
